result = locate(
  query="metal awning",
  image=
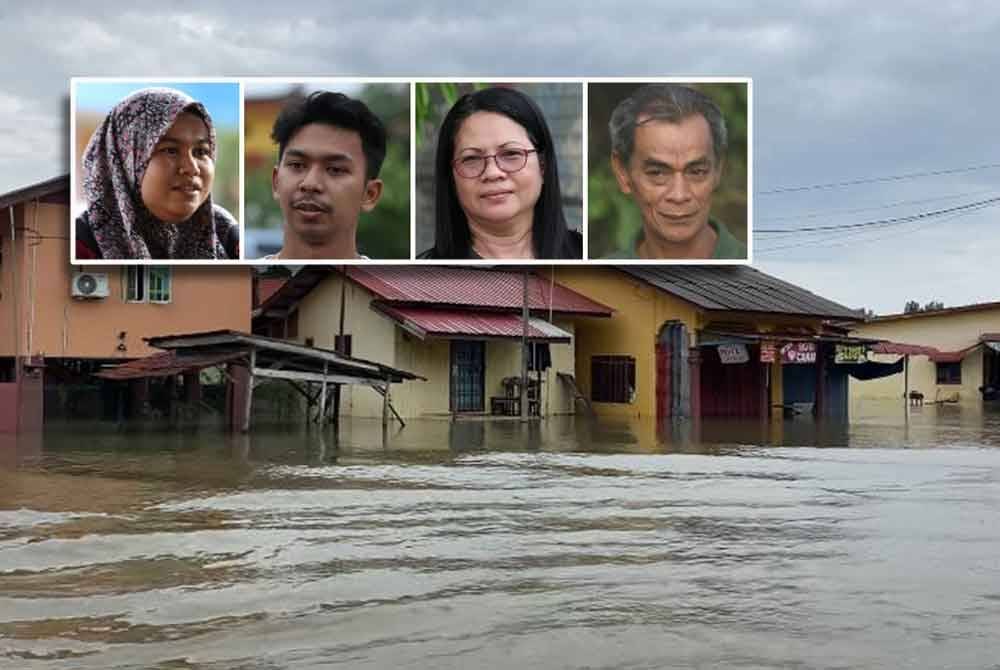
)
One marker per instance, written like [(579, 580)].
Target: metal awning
[(933, 353), (713, 337), (428, 323)]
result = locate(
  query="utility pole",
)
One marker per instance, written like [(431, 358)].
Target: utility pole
[(524, 349)]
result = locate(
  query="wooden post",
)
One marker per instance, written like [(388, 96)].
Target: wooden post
[(906, 378), (248, 400), (385, 404), (321, 414)]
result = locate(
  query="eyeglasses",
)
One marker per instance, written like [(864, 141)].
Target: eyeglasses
[(508, 160)]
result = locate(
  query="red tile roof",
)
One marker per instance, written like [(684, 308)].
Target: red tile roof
[(471, 287), (431, 322)]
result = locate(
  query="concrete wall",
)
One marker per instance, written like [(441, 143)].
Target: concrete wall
[(640, 311), (376, 337), (945, 331), (41, 317)]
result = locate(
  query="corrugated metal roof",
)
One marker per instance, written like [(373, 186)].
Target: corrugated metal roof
[(933, 353), (471, 287), (167, 364), (55, 189), (438, 286), (739, 288), (448, 323)]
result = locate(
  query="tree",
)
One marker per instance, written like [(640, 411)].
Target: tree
[(912, 306)]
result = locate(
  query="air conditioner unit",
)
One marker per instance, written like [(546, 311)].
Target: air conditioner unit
[(89, 285)]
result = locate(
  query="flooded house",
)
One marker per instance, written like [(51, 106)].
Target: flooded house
[(693, 341), (60, 324), (460, 329), (949, 355)]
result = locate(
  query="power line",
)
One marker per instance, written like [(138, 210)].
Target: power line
[(874, 180), (882, 222), (890, 205), (841, 241)]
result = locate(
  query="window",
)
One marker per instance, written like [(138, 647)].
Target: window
[(158, 281), (949, 373), (612, 378), (135, 283), (147, 284)]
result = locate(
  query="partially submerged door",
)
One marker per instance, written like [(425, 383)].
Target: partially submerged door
[(468, 366)]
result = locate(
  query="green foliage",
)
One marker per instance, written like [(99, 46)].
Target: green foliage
[(226, 191), (385, 232), (432, 102)]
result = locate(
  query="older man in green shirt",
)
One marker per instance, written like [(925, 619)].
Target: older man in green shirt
[(668, 151)]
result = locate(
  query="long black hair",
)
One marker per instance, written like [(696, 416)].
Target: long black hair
[(550, 235)]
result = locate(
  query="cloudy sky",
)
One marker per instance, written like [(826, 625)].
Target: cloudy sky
[(844, 91)]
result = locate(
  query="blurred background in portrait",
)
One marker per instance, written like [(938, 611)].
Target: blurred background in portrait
[(222, 100), (383, 233), (562, 106), (614, 220)]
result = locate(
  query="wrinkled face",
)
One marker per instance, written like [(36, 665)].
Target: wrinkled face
[(671, 175), (320, 182), (496, 196), (180, 173)]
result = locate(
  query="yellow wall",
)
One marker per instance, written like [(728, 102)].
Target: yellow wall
[(377, 338), (640, 311), (51, 322), (947, 332)]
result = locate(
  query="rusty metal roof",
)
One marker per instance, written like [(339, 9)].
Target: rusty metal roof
[(471, 287), (933, 353), (50, 190), (739, 288), (440, 286), (427, 322), (167, 364)]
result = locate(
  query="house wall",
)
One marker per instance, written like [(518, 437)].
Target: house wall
[(52, 323), (377, 338), (640, 312), (947, 332)]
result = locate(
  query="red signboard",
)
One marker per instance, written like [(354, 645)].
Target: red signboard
[(798, 352), (768, 352)]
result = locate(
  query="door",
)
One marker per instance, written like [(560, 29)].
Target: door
[(468, 367)]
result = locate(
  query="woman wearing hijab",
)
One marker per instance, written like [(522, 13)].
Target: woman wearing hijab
[(148, 173)]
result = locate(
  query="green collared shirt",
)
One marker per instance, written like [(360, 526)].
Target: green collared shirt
[(726, 246)]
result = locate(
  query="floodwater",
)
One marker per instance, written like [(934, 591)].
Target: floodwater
[(565, 544)]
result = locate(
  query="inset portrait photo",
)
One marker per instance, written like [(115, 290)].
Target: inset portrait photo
[(669, 171), (499, 171), (327, 167), (155, 170)]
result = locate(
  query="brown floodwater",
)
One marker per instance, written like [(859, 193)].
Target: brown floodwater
[(568, 543)]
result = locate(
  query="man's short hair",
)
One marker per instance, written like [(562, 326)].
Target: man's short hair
[(665, 102), (334, 109)]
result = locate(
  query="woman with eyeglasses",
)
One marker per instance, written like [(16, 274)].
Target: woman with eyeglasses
[(497, 183)]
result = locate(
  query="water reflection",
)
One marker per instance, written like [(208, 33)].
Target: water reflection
[(563, 543)]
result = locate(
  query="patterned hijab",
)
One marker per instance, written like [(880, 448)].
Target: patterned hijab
[(114, 165)]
